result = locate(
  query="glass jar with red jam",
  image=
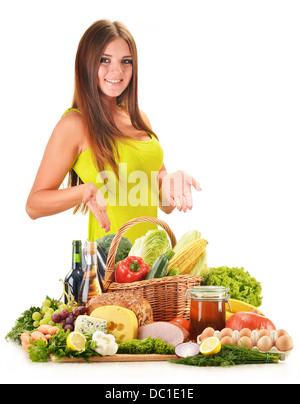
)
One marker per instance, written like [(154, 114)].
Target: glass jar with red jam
[(207, 308)]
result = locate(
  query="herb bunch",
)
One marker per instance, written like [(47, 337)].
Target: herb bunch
[(230, 355), (23, 324)]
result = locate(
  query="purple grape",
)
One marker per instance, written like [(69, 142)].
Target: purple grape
[(62, 323), (68, 327), (64, 314), (56, 318), (82, 309), (70, 319), (76, 312)]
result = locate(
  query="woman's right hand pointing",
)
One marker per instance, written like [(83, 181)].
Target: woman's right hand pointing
[(95, 201)]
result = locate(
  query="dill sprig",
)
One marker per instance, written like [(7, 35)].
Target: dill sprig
[(230, 355)]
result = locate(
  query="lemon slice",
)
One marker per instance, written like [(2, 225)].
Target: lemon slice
[(210, 346), (76, 341)]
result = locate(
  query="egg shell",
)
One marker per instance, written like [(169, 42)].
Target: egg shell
[(281, 332), (284, 343), (245, 332), (263, 332), (226, 332), (264, 344), (227, 340), (245, 341), (208, 332)]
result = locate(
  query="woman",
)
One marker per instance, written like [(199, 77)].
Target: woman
[(107, 145)]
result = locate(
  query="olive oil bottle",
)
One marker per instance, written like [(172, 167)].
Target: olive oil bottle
[(91, 284), (74, 278)]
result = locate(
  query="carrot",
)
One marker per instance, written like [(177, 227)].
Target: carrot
[(36, 335), (54, 330), (25, 337), (25, 340), (26, 345), (45, 328), (48, 329)]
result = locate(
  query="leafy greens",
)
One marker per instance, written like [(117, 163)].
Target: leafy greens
[(23, 324), (146, 346), (239, 282), (151, 246)]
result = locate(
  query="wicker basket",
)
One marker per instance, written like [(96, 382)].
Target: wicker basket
[(165, 295)]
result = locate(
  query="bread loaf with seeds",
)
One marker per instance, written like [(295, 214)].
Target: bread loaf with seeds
[(140, 306)]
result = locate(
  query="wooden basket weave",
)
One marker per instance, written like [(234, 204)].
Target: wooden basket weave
[(166, 295)]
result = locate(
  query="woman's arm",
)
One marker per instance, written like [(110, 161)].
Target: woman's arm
[(63, 148), (67, 141)]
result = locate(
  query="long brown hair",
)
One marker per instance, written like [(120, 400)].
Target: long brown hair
[(97, 117)]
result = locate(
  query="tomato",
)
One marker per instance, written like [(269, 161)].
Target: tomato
[(181, 321)]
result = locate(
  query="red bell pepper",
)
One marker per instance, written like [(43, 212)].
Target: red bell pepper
[(131, 269)]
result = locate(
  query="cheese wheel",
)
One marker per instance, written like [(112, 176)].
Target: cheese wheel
[(121, 322), (140, 306)]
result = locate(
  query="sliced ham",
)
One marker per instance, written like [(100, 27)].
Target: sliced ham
[(171, 333)]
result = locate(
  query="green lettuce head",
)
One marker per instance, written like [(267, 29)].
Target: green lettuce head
[(151, 246)]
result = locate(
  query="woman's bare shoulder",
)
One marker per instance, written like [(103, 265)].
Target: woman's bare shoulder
[(71, 128), (145, 119)]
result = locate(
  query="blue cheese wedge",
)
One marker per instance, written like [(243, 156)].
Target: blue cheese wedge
[(90, 325)]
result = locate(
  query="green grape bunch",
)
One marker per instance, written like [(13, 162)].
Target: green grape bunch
[(55, 312)]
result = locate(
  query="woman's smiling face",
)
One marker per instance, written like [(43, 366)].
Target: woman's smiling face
[(115, 70)]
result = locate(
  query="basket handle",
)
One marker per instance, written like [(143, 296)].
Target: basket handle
[(110, 263)]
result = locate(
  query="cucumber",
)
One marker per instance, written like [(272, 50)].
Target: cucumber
[(160, 266)]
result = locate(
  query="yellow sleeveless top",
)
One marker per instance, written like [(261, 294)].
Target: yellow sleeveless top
[(135, 195)]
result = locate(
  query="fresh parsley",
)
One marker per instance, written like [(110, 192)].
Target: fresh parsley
[(23, 324)]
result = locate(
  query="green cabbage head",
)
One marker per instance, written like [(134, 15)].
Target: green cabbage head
[(151, 246)]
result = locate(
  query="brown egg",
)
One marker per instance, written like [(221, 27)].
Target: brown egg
[(284, 343), (263, 332), (245, 341), (227, 340), (264, 344), (245, 332), (226, 332), (208, 332), (280, 333)]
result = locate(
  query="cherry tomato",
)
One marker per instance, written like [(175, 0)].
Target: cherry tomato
[(181, 321)]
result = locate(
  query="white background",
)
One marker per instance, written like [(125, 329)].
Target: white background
[(220, 83)]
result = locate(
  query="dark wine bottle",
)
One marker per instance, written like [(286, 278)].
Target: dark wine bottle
[(74, 278)]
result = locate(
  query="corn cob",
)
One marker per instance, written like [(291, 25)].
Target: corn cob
[(201, 267), (186, 259)]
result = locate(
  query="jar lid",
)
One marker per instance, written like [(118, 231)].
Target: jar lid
[(212, 293)]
